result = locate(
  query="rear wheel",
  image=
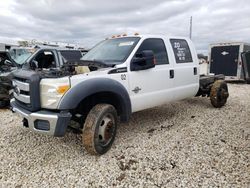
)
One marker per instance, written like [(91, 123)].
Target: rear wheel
[(100, 129), (219, 93)]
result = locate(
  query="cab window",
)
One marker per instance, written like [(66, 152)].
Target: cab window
[(181, 51), (158, 47), (45, 60)]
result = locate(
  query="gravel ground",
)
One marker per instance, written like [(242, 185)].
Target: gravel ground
[(183, 144)]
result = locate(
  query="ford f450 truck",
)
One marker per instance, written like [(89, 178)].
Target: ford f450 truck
[(117, 77)]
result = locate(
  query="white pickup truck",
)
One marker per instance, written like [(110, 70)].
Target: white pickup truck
[(118, 76)]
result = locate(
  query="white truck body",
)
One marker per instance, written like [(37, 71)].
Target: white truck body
[(156, 86), (135, 73)]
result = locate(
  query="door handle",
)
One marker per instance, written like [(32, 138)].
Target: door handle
[(195, 70), (171, 74)]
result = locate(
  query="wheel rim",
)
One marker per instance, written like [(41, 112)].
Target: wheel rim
[(106, 130)]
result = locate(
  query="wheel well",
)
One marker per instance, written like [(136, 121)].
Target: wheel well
[(89, 102)]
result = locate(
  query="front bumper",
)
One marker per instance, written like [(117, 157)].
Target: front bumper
[(44, 121)]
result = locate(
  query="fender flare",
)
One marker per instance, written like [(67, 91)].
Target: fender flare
[(96, 85)]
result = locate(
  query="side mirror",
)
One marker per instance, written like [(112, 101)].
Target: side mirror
[(144, 60)]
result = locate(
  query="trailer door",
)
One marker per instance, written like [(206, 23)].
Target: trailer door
[(224, 60), (245, 57)]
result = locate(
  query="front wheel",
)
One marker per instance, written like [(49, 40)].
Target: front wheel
[(4, 97), (100, 129), (219, 93), (248, 80), (4, 103)]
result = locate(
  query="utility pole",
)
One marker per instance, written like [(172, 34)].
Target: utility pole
[(191, 27)]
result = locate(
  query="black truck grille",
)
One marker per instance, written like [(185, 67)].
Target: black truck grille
[(27, 89)]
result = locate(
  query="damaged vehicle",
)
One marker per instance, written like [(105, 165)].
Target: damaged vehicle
[(9, 62), (116, 78), (5, 81), (36, 58)]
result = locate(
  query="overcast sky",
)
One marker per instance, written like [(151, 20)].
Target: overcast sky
[(89, 21)]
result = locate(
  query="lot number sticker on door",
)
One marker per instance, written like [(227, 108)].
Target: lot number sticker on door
[(181, 50)]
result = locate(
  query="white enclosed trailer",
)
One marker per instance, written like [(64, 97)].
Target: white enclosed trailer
[(225, 58)]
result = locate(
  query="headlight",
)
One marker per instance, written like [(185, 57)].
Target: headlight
[(52, 90)]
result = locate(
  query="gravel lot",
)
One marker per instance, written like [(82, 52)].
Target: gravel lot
[(185, 144)]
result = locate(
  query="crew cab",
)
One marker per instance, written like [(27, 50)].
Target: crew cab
[(118, 77), (33, 57)]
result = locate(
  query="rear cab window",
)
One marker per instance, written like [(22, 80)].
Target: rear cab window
[(181, 50), (157, 45)]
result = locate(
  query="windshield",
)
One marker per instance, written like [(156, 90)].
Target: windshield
[(112, 50), (20, 55)]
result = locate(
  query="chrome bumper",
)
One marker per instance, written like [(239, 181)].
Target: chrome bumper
[(44, 122)]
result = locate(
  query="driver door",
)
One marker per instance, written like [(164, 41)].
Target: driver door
[(151, 87)]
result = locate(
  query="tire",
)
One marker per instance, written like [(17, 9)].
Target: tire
[(248, 81), (219, 93), (4, 97), (100, 129), (4, 103)]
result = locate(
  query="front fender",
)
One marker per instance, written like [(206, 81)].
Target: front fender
[(96, 85)]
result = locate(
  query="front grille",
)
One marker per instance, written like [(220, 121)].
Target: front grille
[(22, 79), (21, 89), (26, 89)]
